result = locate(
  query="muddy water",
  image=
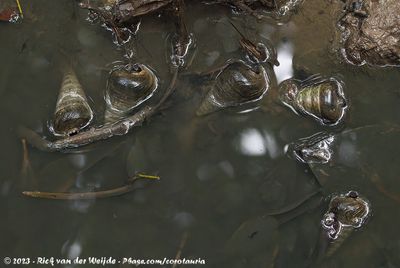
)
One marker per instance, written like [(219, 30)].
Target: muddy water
[(220, 174)]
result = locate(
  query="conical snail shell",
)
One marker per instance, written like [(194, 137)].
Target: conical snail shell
[(322, 99), (236, 84), (73, 112), (127, 87)]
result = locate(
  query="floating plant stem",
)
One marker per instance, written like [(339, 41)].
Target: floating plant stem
[(20, 8), (151, 177), (127, 188)]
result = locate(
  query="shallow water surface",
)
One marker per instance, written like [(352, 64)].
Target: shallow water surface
[(220, 174)]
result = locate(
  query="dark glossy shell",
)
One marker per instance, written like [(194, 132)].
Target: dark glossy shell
[(360, 157), (322, 99), (348, 210), (237, 84), (128, 87), (73, 112)]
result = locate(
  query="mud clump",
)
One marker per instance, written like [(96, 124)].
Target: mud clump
[(371, 32)]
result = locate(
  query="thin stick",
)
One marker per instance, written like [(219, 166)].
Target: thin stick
[(129, 187), (274, 256), (25, 159), (95, 134), (26, 167), (151, 177), (181, 246), (20, 8)]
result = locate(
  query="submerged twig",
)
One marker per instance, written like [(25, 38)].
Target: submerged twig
[(181, 246), (95, 134), (25, 159), (129, 187), (26, 167)]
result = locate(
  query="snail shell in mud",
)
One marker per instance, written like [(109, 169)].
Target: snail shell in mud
[(237, 83), (73, 112), (320, 98), (346, 213), (127, 87)]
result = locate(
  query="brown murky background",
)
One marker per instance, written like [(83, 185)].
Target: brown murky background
[(218, 172)]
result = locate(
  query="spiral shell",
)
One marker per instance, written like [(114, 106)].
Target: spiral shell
[(346, 212), (72, 113), (237, 84), (321, 98), (127, 87)]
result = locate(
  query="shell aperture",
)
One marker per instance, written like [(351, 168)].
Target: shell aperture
[(127, 87)]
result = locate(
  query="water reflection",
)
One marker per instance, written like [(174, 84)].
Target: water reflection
[(285, 58), (348, 154), (71, 250), (81, 206), (272, 146), (227, 167), (212, 56), (255, 143), (227, 34), (210, 171), (5, 188), (252, 143), (183, 219), (78, 160)]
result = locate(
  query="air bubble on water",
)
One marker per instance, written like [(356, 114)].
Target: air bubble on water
[(78, 160)]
